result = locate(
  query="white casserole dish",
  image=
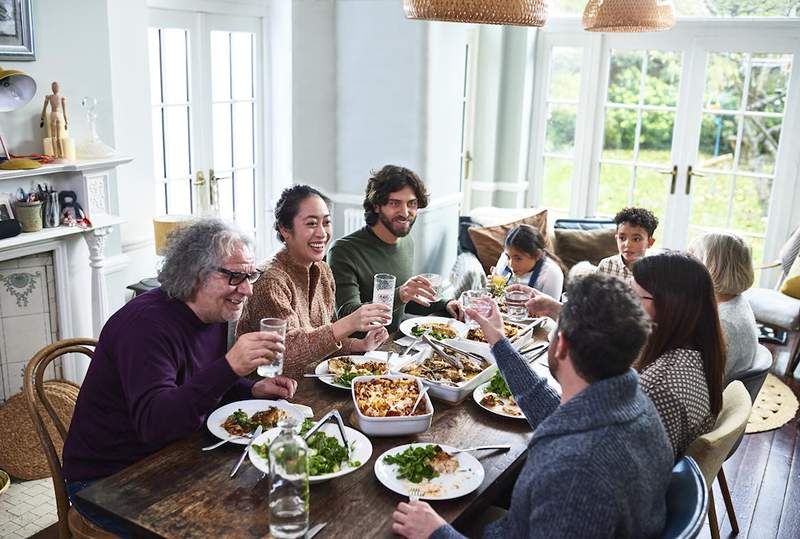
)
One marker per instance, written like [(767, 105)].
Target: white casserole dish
[(395, 425)]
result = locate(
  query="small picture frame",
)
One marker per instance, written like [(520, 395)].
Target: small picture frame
[(16, 31), (6, 208)]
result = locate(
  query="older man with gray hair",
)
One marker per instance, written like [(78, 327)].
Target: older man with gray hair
[(162, 365)]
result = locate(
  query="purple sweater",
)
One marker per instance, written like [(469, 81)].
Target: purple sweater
[(157, 372)]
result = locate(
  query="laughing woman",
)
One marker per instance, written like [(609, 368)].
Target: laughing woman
[(298, 287)]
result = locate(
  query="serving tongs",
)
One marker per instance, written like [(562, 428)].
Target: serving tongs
[(327, 417), (447, 352)]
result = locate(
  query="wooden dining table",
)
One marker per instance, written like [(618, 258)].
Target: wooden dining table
[(181, 491)]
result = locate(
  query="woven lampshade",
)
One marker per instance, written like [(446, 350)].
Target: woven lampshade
[(628, 15), (515, 12)]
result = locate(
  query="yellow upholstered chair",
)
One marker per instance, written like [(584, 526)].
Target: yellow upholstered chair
[(712, 449)]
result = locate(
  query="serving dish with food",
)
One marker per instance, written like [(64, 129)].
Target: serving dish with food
[(344, 369), (383, 405), (328, 458), (236, 421), (440, 472)]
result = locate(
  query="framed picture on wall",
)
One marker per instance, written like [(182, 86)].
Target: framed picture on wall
[(16, 31), (6, 210)]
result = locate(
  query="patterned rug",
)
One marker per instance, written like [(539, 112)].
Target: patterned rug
[(775, 406)]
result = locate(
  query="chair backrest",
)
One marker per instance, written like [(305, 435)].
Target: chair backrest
[(36, 400), (754, 377), (711, 449), (687, 501)]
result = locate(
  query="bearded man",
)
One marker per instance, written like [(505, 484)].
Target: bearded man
[(394, 195)]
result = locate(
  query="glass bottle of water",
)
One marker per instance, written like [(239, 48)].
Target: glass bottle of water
[(288, 472)]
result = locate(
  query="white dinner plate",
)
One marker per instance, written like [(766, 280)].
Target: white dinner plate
[(406, 325), (361, 450), (322, 368), (218, 416), (466, 479), (478, 394)]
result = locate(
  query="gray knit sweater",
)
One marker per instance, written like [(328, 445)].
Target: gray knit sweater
[(598, 466)]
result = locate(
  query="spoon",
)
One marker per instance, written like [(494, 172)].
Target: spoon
[(421, 394)]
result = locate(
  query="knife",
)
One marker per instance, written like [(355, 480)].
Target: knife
[(315, 530), (256, 434)]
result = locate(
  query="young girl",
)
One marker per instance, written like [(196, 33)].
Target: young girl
[(526, 259)]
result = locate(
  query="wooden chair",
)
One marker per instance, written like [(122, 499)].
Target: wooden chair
[(70, 522), (713, 448), (687, 501)]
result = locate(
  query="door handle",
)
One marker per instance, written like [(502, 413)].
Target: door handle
[(467, 162), (213, 185), (674, 174), (689, 174)]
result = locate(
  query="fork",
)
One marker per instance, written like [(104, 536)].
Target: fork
[(414, 494), (225, 441)]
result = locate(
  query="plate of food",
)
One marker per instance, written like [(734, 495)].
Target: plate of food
[(495, 396), (436, 470), (327, 456), (510, 329), (438, 327), (344, 369), (236, 421)]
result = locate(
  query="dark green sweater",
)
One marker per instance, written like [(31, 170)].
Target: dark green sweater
[(357, 257)]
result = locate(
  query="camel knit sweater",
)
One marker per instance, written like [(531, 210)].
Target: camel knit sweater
[(303, 296)]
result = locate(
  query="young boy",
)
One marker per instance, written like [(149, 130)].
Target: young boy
[(635, 227)]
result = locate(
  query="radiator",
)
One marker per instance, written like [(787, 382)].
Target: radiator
[(353, 220)]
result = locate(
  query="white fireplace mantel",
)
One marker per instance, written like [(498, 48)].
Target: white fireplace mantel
[(90, 180)]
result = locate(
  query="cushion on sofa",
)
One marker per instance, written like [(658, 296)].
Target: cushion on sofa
[(489, 240), (574, 246), (773, 308)]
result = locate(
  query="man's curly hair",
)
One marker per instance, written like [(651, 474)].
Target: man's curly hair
[(388, 180), (637, 217)]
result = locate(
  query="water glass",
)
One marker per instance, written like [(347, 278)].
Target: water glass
[(274, 367), (478, 300), (515, 305), (383, 290), (436, 282)]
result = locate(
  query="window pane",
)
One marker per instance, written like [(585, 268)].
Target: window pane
[(759, 144), (561, 129), (242, 68), (724, 80), (154, 55), (245, 198), (565, 73), (178, 193), (717, 141), (158, 144), (750, 204), (174, 50), (243, 134), (651, 191), (222, 135), (619, 134), (176, 130), (557, 180), (625, 77), (161, 199), (225, 198), (710, 200), (663, 75), (769, 80), (220, 66), (655, 141), (615, 187)]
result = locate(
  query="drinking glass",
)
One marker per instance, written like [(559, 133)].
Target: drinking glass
[(436, 282), (383, 290), (515, 305), (275, 366), (478, 300)]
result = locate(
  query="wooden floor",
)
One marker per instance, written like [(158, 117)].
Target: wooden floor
[(764, 478)]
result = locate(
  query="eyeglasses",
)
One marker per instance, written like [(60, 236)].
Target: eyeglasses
[(235, 278)]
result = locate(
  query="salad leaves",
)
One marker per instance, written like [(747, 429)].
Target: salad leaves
[(498, 385)]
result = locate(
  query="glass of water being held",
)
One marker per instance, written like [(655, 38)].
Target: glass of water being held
[(383, 290), (275, 366)]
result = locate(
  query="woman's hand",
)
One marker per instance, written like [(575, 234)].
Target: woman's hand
[(373, 339), (492, 325), (454, 309), (281, 386), (252, 350), (416, 520), (365, 318)]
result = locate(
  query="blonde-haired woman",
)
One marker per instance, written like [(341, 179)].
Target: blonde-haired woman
[(727, 258)]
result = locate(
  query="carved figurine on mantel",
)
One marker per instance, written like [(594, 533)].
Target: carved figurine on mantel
[(57, 144)]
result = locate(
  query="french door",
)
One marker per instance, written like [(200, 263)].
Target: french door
[(695, 124), (205, 92)]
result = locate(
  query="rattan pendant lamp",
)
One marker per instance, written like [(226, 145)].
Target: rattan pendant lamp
[(514, 12), (628, 15)]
